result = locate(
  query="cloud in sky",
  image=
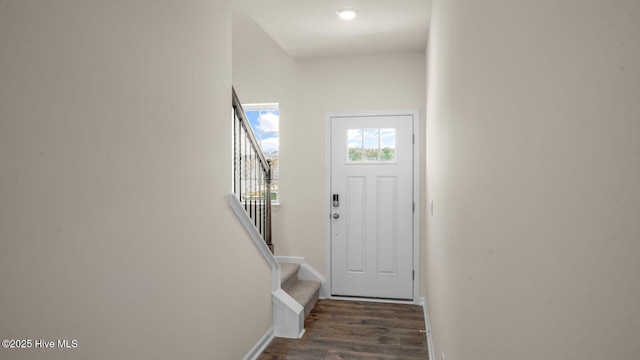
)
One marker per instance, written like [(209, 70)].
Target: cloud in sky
[(354, 138), (269, 121), (371, 138), (387, 138), (270, 144)]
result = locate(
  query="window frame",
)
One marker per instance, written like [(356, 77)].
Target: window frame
[(267, 107)]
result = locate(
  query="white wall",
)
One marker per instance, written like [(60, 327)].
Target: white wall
[(534, 166), (333, 84), (262, 71), (307, 89), (114, 224)]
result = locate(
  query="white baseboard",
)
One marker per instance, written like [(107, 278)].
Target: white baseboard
[(290, 259), (425, 309), (259, 347), (253, 233)]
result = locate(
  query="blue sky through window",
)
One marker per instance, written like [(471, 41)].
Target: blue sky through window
[(371, 144), (266, 126), (265, 123)]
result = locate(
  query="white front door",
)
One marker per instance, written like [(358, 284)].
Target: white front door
[(372, 211)]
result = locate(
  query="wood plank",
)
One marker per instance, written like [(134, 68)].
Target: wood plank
[(337, 329)]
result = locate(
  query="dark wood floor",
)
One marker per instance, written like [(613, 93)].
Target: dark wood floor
[(338, 329)]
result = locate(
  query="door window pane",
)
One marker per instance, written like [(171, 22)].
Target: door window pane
[(387, 144), (371, 145), (354, 145)]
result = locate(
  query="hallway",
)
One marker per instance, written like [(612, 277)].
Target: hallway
[(338, 329)]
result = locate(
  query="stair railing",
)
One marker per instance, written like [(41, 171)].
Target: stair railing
[(251, 173)]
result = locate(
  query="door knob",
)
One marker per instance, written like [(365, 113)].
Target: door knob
[(336, 215)]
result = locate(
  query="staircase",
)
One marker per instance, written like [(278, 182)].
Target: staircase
[(304, 292), (296, 292)]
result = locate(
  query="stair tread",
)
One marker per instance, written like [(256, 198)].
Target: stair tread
[(288, 274), (303, 291)]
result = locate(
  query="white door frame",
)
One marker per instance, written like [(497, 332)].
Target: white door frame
[(416, 196)]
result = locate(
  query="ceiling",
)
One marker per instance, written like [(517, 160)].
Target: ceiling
[(311, 28)]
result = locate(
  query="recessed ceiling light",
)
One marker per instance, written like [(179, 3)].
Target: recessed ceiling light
[(346, 14)]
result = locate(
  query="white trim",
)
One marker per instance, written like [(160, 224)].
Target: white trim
[(290, 259), (259, 347), (416, 191), (261, 106), (327, 206), (288, 315), (427, 321), (237, 208)]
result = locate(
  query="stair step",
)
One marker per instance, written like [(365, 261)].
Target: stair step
[(306, 293), (288, 275)]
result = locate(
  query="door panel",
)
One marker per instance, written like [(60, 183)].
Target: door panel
[(372, 228), (387, 235), (356, 212)]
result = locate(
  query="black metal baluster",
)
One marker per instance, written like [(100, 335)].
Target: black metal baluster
[(252, 173), (251, 183), (244, 164), (235, 150), (255, 183), (259, 217), (262, 201)]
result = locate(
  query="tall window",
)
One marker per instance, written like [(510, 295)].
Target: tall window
[(265, 122)]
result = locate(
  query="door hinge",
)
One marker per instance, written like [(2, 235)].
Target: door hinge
[(413, 274), (414, 139), (414, 207)]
